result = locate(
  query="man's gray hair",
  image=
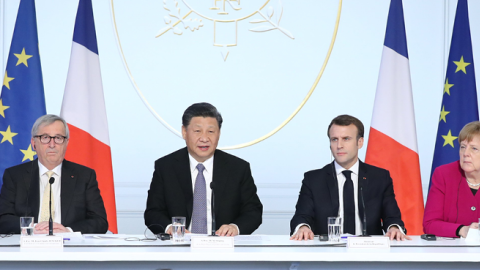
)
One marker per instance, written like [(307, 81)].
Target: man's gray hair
[(46, 120)]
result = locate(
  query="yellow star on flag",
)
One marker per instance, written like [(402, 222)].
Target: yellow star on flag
[(446, 87), (28, 154), (22, 58), (443, 113), (449, 139), (3, 108), (7, 80), (8, 135), (461, 65)]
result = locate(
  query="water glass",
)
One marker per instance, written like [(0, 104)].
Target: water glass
[(178, 229), (334, 229), (26, 226)]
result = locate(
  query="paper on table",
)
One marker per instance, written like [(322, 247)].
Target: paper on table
[(346, 235), (251, 238), (106, 236), (188, 237), (472, 235), (71, 235)]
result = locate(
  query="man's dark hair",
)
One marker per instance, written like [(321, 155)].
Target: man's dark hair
[(202, 109), (347, 120)]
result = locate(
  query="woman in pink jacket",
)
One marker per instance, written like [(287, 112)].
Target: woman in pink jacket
[(453, 204)]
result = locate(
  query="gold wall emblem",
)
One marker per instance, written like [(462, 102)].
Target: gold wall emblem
[(261, 20)]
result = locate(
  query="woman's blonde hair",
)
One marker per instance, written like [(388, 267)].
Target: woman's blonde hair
[(469, 131)]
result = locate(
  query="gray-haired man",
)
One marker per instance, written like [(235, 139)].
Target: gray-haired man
[(76, 201)]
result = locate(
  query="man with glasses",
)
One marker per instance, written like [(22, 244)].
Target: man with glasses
[(76, 201)]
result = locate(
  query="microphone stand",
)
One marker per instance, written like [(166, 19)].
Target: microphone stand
[(212, 186), (50, 221), (364, 225)]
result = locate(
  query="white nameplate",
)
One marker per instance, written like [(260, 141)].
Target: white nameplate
[(368, 242), (41, 241), (212, 242)]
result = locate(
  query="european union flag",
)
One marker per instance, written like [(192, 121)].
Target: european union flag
[(22, 99), (459, 104)]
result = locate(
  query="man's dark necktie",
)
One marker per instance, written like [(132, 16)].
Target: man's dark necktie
[(348, 204), (199, 216)]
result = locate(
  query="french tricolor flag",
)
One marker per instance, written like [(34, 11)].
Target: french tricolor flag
[(84, 110), (392, 143)]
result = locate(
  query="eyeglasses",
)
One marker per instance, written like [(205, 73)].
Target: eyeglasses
[(58, 139)]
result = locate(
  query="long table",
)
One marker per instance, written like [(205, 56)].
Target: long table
[(256, 252)]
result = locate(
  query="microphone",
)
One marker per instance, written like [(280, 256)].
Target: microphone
[(212, 186), (364, 221), (50, 221)]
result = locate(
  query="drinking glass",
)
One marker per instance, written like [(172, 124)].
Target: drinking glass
[(178, 229), (334, 229), (26, 226)]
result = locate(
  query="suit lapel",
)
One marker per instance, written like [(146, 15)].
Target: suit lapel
[(362, 183), (68, 181), (182, 169), (32, 183), (332, 184)]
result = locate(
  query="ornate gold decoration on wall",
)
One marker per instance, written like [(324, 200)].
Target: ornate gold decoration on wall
[(270, 20)]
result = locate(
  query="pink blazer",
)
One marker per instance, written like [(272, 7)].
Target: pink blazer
[(450, 202)]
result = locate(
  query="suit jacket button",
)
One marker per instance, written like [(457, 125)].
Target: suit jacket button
[(473, 208)]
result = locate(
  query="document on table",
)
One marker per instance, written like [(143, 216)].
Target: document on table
[(252, 238), (71, 235), (188, 237), (346, 235), (472, 235), (106, 236)]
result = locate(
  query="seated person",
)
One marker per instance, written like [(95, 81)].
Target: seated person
[(453, 205), (334, 190), (181, 182), (76, 201)]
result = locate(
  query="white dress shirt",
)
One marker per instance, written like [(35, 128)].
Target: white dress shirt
[(56, 188), (341, 182)]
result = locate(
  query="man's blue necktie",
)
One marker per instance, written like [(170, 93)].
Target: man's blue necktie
[(199, 216)]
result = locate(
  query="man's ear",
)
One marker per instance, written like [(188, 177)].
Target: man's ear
[(360, 143), (184, 132)]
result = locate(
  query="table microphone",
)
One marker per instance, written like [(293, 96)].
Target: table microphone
[(50, 221), (364, 221), (212, 186)]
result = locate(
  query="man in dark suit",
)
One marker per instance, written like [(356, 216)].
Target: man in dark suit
[(76, 201), (181, 182), (337, 190)]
